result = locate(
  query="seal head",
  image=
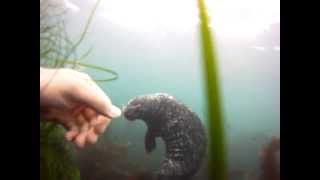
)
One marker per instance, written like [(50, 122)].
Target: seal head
[(135, 109)]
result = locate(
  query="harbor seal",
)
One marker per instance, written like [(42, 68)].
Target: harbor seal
[(180, 128)]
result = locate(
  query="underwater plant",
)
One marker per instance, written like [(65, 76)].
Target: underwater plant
[(56, 156), (54, 40), (269, 161), (58, 50), (109, 160), (217, 152)]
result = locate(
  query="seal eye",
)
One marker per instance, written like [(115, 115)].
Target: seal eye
[(136, 106)]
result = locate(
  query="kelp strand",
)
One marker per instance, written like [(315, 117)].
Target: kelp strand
[(82, 36), (77, 43), (217, 153), (62, 58), (99, 68), (56, 161)]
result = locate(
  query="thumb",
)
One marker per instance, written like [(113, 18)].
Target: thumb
[(96, 99)]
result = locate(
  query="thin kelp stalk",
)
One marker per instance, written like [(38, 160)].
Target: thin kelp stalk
[(75, 62), (57, 50), (217, 153), (56, 46), (82, 35)]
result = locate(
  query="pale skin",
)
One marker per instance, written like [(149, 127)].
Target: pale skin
[(74, 100)]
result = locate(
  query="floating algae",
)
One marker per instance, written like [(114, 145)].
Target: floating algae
[(178, 126)]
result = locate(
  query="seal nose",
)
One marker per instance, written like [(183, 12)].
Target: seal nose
[(130, 111), (126, 111)]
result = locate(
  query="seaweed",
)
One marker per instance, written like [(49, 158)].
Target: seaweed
[(55, 45), (269, 165), (109, 160), (57, 50), (103, 69), (54, 40), (56, 159), (217, 152)]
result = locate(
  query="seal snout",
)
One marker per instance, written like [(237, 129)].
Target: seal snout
[(131, 112)]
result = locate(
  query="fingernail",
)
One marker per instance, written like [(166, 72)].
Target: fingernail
[(114, 111)]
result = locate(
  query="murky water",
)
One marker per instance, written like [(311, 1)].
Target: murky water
[(168, 60)]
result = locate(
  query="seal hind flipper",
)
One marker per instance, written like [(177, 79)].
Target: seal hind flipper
[(150, 141)]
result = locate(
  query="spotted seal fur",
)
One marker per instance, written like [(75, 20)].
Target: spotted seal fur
[(178, 126)]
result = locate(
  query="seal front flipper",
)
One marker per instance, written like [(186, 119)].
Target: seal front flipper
[(150, 141)]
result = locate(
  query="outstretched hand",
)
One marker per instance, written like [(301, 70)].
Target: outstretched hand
[(72, 99)]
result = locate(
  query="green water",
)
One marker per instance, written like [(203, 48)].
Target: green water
[(170, 62)]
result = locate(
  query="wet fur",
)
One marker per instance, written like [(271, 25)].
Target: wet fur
[(178, 126)]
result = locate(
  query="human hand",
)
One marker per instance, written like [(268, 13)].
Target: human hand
[(72, 99)]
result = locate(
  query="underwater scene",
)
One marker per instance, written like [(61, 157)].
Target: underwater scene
[(154, 47)]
